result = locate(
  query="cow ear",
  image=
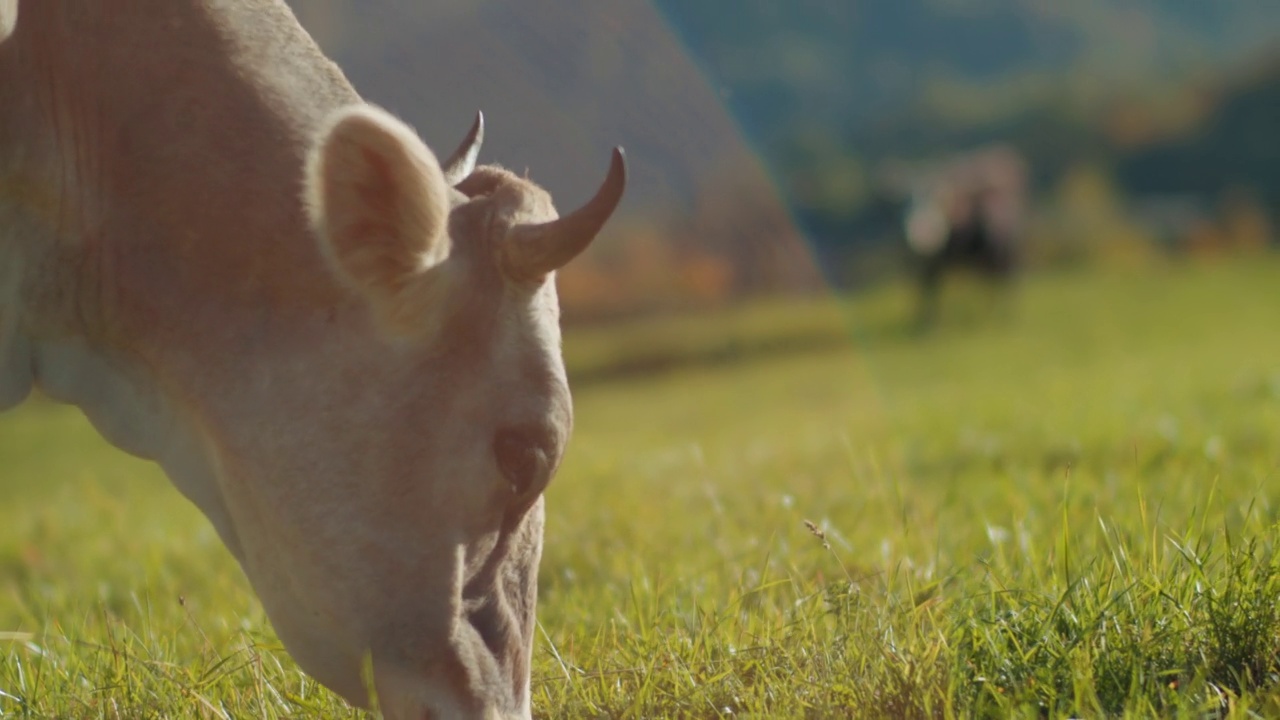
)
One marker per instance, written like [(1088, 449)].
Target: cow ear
[(378, 200), (8, 17)]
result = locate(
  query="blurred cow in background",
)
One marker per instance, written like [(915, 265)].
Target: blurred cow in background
[(965, 213)]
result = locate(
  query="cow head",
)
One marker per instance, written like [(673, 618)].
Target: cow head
[(360, 384), (465, 416)]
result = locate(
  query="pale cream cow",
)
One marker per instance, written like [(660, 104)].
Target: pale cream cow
[(347, 355)]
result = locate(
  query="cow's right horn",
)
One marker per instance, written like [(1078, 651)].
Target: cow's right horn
[(463, 160), (529, 251)]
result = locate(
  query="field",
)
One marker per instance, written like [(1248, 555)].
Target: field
[(1063, 508)]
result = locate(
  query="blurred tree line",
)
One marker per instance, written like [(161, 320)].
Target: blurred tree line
[(1151, 126)]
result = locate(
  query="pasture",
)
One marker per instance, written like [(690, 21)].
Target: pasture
[(794, 510)]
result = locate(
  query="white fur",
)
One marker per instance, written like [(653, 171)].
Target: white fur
[(926, 227)]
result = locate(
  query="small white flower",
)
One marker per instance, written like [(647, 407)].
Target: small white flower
[(997, 535)]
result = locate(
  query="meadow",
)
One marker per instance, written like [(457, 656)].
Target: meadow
[(800, 509)]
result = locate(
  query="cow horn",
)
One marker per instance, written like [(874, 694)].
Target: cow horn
[(530, 251), (463, 160)]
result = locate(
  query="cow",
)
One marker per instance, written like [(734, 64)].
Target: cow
[(344, 352), (965, 213)]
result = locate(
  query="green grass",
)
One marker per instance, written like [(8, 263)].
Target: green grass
[(1063, 511)]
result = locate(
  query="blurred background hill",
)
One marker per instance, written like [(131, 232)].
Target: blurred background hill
[(759, 131)]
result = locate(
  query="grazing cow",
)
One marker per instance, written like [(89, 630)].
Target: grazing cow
[(344, 352), (966, 213)]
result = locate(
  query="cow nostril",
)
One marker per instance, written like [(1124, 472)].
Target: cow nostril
[(523, 456)]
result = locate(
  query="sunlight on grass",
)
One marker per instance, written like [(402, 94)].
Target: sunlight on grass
[(1064, 511)]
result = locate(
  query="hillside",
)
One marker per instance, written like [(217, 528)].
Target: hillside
[(559, 87), (1236, 145), (674, 79)]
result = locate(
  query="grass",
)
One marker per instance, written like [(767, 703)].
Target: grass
[(1063, 511)]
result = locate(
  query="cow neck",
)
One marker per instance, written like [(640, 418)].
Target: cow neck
[(169, 176), (161, 242)]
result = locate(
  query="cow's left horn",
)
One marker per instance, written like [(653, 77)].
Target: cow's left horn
[(530, 251), (463, 160)]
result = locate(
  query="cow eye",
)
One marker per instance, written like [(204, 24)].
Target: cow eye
[(522, 457)]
